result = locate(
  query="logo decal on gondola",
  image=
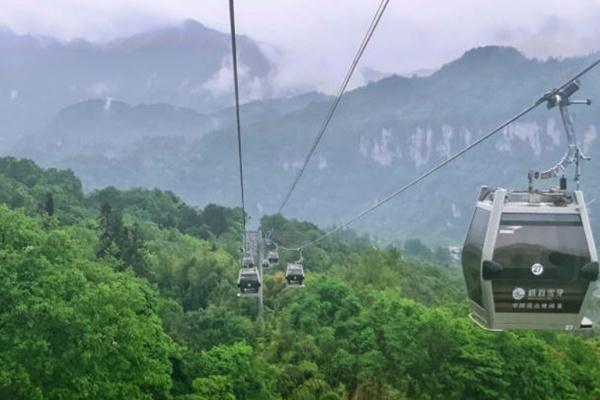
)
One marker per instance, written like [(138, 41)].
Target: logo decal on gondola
[(537, 269), (518, 293)]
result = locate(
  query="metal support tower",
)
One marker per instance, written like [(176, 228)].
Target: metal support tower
[(254, 244), (260, 255)]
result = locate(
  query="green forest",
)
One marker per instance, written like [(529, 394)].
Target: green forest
[(131, 294)]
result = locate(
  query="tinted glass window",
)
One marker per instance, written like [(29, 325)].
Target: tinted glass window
[(556, 241), (557, 246), (471, 255)]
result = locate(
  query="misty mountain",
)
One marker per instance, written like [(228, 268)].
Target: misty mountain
[(372, 75), (185, 66), (382, 135), (107, 127)]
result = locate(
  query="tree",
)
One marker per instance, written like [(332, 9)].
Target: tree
[(206, 328), (214, 387), (131, 249), (441, 256), (110, 225), (416, 249), (93, 305), (123, 243), (215, 218), (72, 327), (49, 204), (232, 366)]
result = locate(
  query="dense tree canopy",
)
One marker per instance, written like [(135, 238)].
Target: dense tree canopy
[(71, 327), (132, 294)]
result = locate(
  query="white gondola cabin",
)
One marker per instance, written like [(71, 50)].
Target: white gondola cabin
[(529, 260)]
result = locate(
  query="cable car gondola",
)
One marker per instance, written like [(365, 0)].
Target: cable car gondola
[(249, 282), (529, 258), (273, 257), (294, 275), (265, 263)]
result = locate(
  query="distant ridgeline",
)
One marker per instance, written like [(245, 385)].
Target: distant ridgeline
[(132, 295), (382, 135), (27, 186)]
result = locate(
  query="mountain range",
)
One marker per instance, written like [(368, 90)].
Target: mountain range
[(186, 66), (382, 135)]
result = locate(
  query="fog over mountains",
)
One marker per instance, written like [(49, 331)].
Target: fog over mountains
[(120, 114), (186, 65)]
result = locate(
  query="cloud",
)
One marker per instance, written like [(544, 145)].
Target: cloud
[(555, 36), (100, 89), (220, 83), (317, 39), (251, 88), (13, 95)]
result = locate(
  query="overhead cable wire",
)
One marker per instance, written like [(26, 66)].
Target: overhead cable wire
[(442, 164), (374, 22), (237, 113)]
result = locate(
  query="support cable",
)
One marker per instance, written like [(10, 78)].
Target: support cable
[(237, 115), (374, 22)]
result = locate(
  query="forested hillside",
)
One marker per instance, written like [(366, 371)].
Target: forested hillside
[(132, 295), (382, 136)]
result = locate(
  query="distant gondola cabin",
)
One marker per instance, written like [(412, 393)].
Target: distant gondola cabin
[(294, 275), (249, 281)]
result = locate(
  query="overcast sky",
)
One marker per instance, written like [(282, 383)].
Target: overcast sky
[(317, 38)]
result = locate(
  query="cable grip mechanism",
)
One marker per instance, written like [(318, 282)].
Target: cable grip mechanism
[(574, 154)]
